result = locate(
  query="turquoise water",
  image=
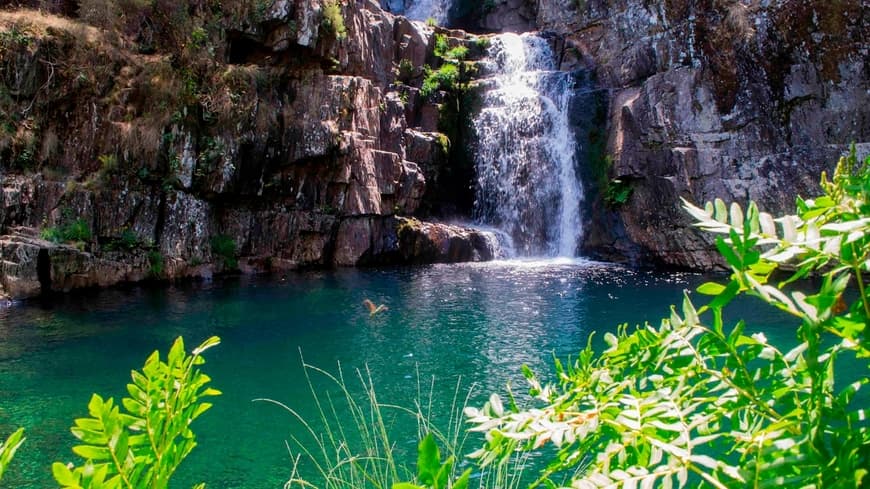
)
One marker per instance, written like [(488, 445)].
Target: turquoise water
[(477, 322)]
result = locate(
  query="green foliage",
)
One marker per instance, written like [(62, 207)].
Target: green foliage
[(444, 78), (696, 401), (15, 36), (128, 240), (617, 192), (431, 22), (198, 36), (224, 247), (211, 154), (141, 446), (108, 163), (155, 263), (405, 70), (77, 231), (333, 20), (432, 472), (456, 54), (8, 449), (349, 442), (443, 142), (441, 45), (450, 74)]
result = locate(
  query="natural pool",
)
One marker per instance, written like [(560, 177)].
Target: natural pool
[(477, 321)]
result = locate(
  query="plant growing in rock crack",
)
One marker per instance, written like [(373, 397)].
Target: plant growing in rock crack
[(451, 72), (696, 401), (333, 20), (224, 248), (617, 192), (156, 264), (76, 231)]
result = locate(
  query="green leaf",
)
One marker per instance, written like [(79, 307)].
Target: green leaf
[(527, 372), (724, 297), (428, 460), (91, 452), (406, 485), (711, 288), (728, 253), (462, 481), (63, 475), (152, 436), (721, 211), (9, 447), (176, 353)]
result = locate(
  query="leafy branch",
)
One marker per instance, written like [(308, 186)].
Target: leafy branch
[(696, 401), (141, 447)]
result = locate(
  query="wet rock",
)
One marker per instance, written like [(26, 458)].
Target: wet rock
[(371, 241), (426, 242), (31, 266), (508, 16)]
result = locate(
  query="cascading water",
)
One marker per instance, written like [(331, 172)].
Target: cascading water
[(527, 184)]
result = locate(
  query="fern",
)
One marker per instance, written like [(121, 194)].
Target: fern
[(142, 446)]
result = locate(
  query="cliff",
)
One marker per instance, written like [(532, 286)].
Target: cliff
[(712, 99), (183, 139), (196, 139)]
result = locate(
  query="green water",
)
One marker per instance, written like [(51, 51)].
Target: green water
[(479, 322)]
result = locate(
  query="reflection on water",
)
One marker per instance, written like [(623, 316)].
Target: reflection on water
[(477, 322)]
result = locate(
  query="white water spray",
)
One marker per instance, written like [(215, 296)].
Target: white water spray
[(428, 9), (526, 179)]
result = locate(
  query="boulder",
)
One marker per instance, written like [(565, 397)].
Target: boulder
[(427, 242)]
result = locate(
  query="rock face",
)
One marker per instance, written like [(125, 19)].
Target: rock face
[(285, 138), (728, 99), (299, 150)]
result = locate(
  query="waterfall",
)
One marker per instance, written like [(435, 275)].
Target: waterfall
[(426, 9), (525, 159)]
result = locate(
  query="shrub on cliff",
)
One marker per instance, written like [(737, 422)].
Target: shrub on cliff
[(696, 401), (333, 21)]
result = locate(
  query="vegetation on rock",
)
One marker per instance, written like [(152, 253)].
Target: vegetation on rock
[(333, 21), (76, 231), (451, 72), (224, 247)]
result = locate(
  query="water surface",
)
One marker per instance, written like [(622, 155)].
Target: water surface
[(479, 322)]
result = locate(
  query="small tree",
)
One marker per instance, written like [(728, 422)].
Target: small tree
[(696, 401)]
